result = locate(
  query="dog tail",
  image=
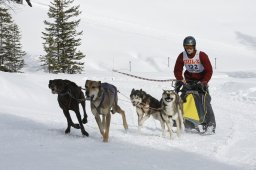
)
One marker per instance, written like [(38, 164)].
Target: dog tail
[(115, 95), (115, 104)]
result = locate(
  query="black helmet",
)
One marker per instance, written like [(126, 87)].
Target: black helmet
[(189, 41)]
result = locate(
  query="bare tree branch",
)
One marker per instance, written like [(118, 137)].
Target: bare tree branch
[(17, 1)]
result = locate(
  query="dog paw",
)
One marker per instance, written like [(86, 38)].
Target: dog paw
[(139, 129), (163, 134), (172, 137), (182, 128), (125, 131), (85, 133), (67, 131), (126, 127), (84, 120), (178, 134)]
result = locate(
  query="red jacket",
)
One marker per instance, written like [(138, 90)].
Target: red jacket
[(204, 76)]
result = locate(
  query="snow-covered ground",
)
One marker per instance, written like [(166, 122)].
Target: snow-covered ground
[(145, 32)]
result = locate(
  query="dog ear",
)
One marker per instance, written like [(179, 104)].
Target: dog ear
[(66, 83), (133, 90), (87, 82), (161, 101), (100, 89), (50, 82)]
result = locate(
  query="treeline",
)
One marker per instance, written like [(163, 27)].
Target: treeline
[(61, 40)]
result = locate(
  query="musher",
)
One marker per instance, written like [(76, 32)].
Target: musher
[(198, 68)]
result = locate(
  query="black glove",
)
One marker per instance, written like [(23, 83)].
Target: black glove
[(178, 85), (202, 86)]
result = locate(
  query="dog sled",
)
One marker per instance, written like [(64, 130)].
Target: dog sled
[(194, 106)]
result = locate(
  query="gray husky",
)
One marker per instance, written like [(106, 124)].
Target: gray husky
[(103, 97), (146, 105), (172, 111)]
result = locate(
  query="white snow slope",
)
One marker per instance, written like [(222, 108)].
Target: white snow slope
[(145, 32)]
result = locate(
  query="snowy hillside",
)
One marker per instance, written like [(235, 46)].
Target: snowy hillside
[(145, 32)]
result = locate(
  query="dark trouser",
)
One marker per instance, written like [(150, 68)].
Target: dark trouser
[(209, 118)]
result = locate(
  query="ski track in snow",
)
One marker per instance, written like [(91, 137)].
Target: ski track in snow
[(238, 115), (234, 122)]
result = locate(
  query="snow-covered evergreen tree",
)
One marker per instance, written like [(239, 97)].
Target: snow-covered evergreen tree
[(5, 22), (11, 54), (14, 58), (62, 39)]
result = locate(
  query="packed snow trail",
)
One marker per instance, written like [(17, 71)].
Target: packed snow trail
[(33, 125)]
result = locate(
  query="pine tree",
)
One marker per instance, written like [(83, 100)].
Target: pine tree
[(11, 54), (61, 40), (14, 60), (49, 61), (5, 22)]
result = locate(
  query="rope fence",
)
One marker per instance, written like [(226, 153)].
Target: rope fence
[(142, 78)]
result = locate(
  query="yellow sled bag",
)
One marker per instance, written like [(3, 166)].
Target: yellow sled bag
[(195, 108)]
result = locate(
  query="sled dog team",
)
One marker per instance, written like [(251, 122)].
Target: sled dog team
[(104, 101)]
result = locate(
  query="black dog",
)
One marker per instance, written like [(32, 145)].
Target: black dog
[(69, 97)]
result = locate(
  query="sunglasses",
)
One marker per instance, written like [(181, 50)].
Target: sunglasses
[(189, 47)]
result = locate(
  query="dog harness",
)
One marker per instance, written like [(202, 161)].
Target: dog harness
[(193, 65), (106, 88)]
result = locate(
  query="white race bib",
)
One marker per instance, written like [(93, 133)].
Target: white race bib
[(193, 65)]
